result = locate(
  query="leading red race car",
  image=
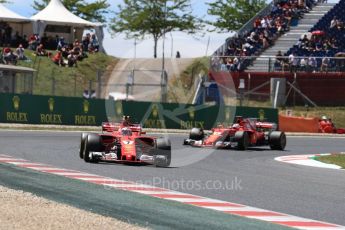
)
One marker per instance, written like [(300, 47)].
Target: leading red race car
[(124, 143), (242, 134)]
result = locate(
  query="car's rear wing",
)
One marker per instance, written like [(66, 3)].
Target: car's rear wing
[(266, 125), (113, 127), (110, 127)]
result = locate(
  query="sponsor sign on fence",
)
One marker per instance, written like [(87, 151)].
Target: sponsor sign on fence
[(29, 109)]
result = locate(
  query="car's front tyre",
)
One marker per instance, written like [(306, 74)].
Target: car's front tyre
[(277, 140), (242, 139), (93, 143), (162, 153), (83, 137)]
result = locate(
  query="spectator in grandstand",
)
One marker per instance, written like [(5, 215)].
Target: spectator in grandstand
[(33, 41), (230, 64), (278, 64), (94, 44), (77, 50), (40, 51), (64, 52), (303, 65), (61, 43), (340, 25), (9, 58), (257, 23), (264, 22), (334, 23), (20, 52), (288, 16), (264, 41), (324, 64), (293, 61), (223, 66), (58, 59), (86, 41), (86, 94), (312, 64), (340, 61), (72, 60)]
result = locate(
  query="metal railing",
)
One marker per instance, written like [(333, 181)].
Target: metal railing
[(277, 64)]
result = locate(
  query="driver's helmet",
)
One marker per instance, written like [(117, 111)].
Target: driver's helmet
[(238, 119), (126, 132), (236, 126), (324, 118)]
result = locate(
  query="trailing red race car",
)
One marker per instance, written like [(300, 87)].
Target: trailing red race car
[(242, 134), (124, 143)]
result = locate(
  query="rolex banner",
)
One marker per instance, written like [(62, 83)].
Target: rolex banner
[(29, 109)]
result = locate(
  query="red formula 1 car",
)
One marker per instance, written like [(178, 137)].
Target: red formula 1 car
[(242, 134), (124, 143)]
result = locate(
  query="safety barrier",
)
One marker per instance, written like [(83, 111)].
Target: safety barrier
[(298, 124), (30, 109)]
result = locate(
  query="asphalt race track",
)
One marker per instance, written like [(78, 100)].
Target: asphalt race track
[(251, 177)]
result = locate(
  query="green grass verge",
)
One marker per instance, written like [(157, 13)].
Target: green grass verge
[(336, 159), (184, 85), (69, 81)]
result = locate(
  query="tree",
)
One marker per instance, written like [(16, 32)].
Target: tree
[(231, 15), (89, 11), (142, 18), (4, 1)]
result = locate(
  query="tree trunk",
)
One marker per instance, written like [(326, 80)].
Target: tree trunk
[(155, 47)]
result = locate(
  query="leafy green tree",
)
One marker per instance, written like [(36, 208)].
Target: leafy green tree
[(231, 15), (94, 11), (155, 18), (4, 1)]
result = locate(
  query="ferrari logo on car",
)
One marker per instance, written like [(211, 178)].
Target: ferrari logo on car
[(86, 106), (16, 102), (51, 102), (127, 142)]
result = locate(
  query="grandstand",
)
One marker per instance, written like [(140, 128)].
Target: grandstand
[(311, 62), (252, 54)]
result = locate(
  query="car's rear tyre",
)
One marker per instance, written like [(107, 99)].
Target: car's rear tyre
[(162, 153), (196, 134), (242, 139), (82, 145), (93, 143), (277, 140)]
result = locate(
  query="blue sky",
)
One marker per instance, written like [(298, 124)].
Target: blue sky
[(188, 45)]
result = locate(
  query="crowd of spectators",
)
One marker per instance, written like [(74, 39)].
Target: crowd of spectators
[(266, 29), (316, 50), (311, 55), (66, 54), (9, 56)]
